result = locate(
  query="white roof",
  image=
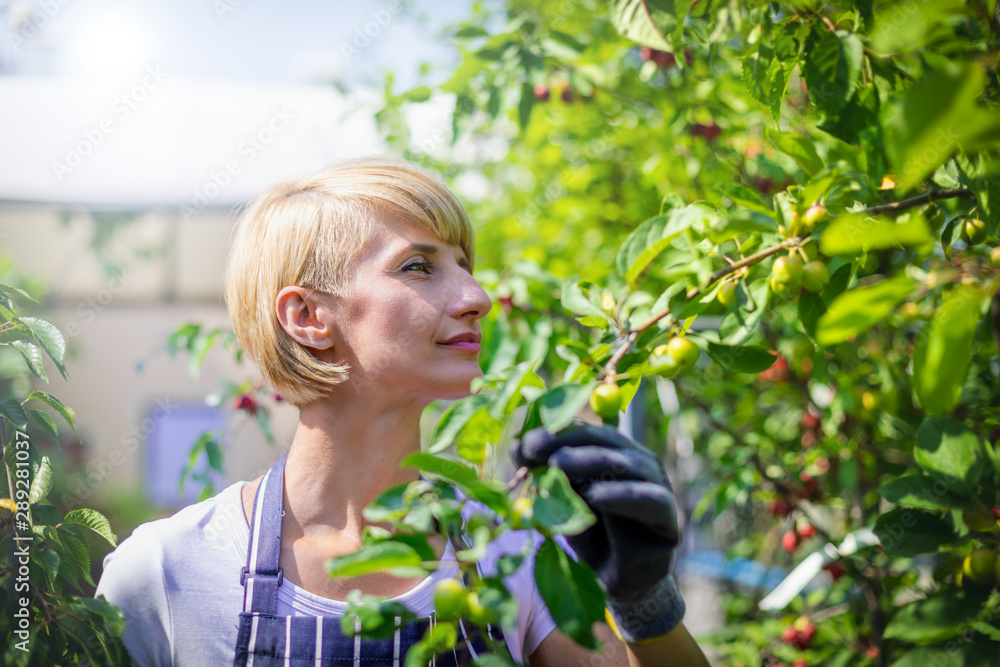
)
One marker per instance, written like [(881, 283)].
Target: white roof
[(158, 140)]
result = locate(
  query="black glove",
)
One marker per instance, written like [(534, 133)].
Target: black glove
[(631, 545)]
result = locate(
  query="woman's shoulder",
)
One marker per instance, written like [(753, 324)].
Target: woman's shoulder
[(212, 521)]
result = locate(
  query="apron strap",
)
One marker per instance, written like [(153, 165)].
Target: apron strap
[(261, 576)]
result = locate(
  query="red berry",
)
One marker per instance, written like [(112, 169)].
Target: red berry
[(764, 185), (277, 397), (790, 541), (663, 59), (542, 92), (800, 663), (566, 94), (806, 531), (245, 402), (836, 570), (807, 634), (809, 440), (506, 304), (810, 422), (780, 507), (789, 635), (710, 131), (811, 486), (778, 372)]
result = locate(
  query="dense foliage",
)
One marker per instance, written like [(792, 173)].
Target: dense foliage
[(46, 617), (809, 194)]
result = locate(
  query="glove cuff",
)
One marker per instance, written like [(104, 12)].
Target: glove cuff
[(649, 616)]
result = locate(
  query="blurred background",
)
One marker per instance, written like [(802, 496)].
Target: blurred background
[(131, 133)]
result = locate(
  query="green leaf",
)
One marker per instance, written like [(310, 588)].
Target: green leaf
[(832, 67), (943, 351), (80, 553), (904, 27), (644, 21), (939, 114), (480, 431), (811, 307), (746, 359), (922, 491), (387, 505), (839, 281), (947, 449), (93, 520), (32, 355), (43, 420), (740, 324), (453, 421), (855, 233), (767, 67), (558, 508), (14, 412), (526, 104), (571, 593), (48, 560), (932, 619), (216, 459), (41, 482), (560, 405), (10, 290), (907, 532), (647, 241), (798, 147), (575, 301), (64, 410), (373, 558), (855, 311), (448, 469), (46, 334)]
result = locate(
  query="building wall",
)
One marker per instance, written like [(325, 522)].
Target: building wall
[(157, 273)]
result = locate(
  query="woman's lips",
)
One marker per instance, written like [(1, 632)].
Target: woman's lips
[(463, 345)]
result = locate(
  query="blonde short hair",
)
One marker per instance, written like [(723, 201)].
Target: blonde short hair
[(308, 232)]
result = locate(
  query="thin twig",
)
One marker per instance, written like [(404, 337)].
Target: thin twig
[(919, 200)]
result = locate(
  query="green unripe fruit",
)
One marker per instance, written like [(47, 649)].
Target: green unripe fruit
[(683, 351), (606, 401), (815, 276), (980, 566), (787, 269), (521, 512), (663, 363), (811, 250), (478, 614), (814, 215), (784, 290), (974, 231), (450, 599), (980, 520), (726, 294)]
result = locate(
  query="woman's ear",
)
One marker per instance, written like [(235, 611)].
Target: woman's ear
[(305, 315)]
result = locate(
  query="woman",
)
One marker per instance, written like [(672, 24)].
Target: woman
[(352, 292)]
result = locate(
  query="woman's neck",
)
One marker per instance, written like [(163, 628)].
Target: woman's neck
[(345, 452)]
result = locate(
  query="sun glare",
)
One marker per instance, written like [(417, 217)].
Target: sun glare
[(111, 46)]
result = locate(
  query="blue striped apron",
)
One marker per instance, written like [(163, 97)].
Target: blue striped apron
[(268, 640)]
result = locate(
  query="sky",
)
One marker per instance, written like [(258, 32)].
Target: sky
[(198, 102)]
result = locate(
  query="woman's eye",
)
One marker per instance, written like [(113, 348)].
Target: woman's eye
[(421, 266)]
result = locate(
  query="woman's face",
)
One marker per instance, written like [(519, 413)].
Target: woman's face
[(410, 297)]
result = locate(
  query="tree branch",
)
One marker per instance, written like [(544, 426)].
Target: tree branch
[(938, 195)]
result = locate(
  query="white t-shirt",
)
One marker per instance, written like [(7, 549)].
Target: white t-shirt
[(177, 581)]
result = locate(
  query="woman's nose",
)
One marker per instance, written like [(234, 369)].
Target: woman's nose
[(471, 300)]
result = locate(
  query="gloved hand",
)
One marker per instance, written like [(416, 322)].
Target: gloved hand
[(630, 547)]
